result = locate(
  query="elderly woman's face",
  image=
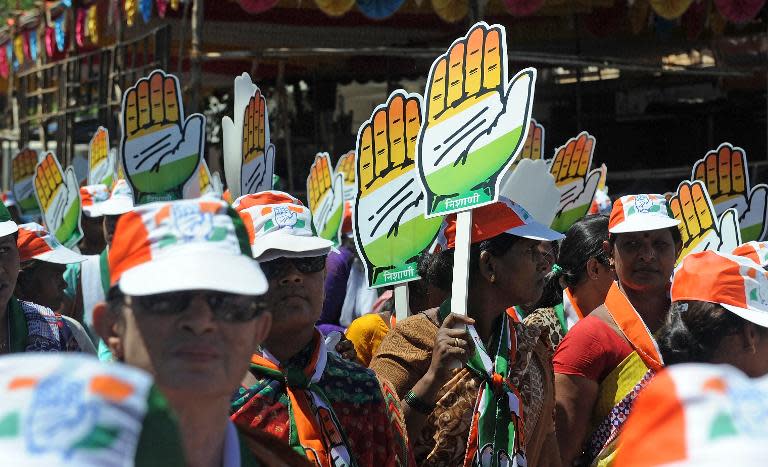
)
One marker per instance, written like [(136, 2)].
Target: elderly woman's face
[(521, 271)]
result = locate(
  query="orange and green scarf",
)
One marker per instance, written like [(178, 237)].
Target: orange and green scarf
[(495, 436), (315, 431)]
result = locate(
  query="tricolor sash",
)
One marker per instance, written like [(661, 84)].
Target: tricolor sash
[(315, 431)]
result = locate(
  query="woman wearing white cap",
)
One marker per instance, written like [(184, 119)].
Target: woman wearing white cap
[(719, 313), (452, 417), (609, 355)]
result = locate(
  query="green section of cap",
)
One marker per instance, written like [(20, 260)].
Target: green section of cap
[(242, 234), (160, 441), (5, 215), (9, 425)]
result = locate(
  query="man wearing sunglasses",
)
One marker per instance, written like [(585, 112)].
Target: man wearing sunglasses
[(333, 411), (183, 307)]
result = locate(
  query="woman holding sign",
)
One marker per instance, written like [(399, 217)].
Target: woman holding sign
[(608, 356), (448, 410)]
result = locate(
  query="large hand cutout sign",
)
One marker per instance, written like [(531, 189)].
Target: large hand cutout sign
[(346, 167), (249, 155), (23, 174), (389, 223), (576, 183), (725, 173), (699, 225), (475, 122), (161, 149), (58, 195), (325, 191)]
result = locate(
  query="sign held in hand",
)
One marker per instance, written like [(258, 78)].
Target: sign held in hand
[(23, 174), (249, 155), (725, 173), (577, 184), (58, 195), (389, 223), (101, 162), (161, 149), (325, 193), (475, 121), (700, 227)]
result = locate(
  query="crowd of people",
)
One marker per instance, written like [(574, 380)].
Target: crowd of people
[(217, 334)]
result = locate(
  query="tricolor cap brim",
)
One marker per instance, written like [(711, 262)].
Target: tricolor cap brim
[(276, 245), (115, 207), (8, 228), (195, 270), (752, 315), (60, 255), (536, 231), (643, 223)]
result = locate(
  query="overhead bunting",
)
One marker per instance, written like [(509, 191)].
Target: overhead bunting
[(739, 11), (670, 9), (523, 7), (451, 11), (379, 9), (256, 6), (335, 7)]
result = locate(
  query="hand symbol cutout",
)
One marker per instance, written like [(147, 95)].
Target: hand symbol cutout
[(576, 183), (534, 144), (249, 155), (474, 123), (23, 173), (390, 227), (59, 197), (101, 161), (160, 148), (725, 174), (346, 167), (326, 198), (692, 206)]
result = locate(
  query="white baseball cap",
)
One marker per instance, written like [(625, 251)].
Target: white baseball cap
[(279, 225), (35, 242), (640, 213)]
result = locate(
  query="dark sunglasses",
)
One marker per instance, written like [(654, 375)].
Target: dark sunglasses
[(226, 307), (279, 267)]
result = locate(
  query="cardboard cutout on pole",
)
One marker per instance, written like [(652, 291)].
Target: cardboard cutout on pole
[(700, 227), (160, 147), (475, 121), (725, 173), (390, 228), (23, 174), (101, 163), (58, 195), (576, 183), (325, 193), (249, 155), (346, 167)]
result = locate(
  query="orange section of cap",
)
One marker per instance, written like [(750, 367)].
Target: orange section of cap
[(30, 245), (710, 277), (655, 431), (85, 197), (110, 388), (248, 222), (130, 246), (617, 214), (487, 222), (747, 251), (265, 198), (22, 383)]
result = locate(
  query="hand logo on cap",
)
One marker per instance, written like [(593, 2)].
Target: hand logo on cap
[(23, 171), (576, 183), (725, 174), (325, 191), (101, 159), (346, 167), (160, 148), (258, 152), (284, 217), (692, 206), (473, 126), (389, 213), (58, 194)]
